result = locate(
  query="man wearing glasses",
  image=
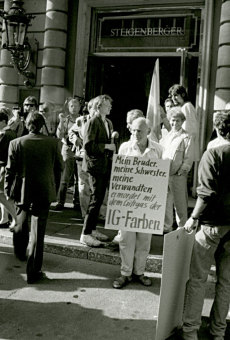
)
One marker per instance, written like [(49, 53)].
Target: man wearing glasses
[(17, 122)]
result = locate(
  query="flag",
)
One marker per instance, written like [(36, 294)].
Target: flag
[(153, 109)]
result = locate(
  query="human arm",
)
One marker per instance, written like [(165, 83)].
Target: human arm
[(74, 134), (207, 189), (95, 139), (191, 122), (188, 156), (10, 171), (61, 129), (192, 222)]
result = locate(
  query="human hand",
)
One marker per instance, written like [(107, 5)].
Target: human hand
[(111, 147), (61, 117), (182, 172), (190, 225)]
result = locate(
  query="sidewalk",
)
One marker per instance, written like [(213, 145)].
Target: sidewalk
[(63, 235)]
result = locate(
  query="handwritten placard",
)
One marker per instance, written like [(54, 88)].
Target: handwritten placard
[(137, 194)]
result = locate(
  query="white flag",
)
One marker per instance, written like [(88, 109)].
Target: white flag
[(153, 110)]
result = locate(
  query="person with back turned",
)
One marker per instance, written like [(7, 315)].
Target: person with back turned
[(212, 241), (33, 171)]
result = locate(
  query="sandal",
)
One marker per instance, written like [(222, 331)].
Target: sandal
[(121, 281), (144, 280)]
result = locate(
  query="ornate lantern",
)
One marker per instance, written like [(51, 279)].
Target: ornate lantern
[(16, 24)]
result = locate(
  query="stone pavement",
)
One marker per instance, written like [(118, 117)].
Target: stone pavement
[(63, 235)]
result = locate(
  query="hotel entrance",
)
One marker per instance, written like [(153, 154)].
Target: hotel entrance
[(127, 80), (123, 48)]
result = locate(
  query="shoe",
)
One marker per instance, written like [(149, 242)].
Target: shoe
[(89, 241), (144, 280), (116, 239), (20, 257), (59, 207), (99, 236), (121, 281), (36, 277), (4, 225)]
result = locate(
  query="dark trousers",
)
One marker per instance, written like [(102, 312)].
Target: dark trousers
[(98, 184), (39, 214), (70, 170)]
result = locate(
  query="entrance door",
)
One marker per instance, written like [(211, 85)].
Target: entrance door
[(127, 80)]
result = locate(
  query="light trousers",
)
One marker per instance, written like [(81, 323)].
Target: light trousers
[(177, 199), (134, 249), (204, 254)]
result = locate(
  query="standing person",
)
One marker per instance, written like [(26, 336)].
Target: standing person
[(131, 116), (7, 205), (168, 104), (166, 127), (179, 149), (97, 161), (32, 172), (70, 166), (180, 98), (212, 211), (51, 119), (17, 122), (135, 246), (76, 133)]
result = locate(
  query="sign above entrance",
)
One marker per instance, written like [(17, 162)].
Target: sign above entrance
[(146, 32), (150, 32)]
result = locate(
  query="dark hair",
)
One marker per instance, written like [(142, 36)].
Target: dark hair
[(4, 115), (178, 89), (34, 122), (98, 101), (221, 121), (31, 99)]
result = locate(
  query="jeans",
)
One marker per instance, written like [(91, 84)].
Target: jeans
[(204, 254)]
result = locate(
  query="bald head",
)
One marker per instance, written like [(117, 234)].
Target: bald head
[(140, 130)]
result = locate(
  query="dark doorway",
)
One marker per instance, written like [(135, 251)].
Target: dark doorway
[(127, 80)]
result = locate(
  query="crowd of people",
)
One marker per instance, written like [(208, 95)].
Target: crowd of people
[(43, 151)]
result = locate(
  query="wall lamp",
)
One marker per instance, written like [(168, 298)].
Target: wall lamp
[(16, 24)]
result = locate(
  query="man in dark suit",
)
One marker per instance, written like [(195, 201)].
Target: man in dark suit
[(97, 161), (32, 173)]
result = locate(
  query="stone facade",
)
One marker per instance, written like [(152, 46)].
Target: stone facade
[(222, 93), (57, 41)]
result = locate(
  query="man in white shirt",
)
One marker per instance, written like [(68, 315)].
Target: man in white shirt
[(135, 246)]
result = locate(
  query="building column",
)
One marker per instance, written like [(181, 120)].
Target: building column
[(53, 63), (8, 75), (222, 93)]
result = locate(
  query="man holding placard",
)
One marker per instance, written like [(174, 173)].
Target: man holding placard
[(135, 246)]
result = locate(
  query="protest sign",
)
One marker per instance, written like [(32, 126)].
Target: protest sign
[(137, 194), (177, 253)]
